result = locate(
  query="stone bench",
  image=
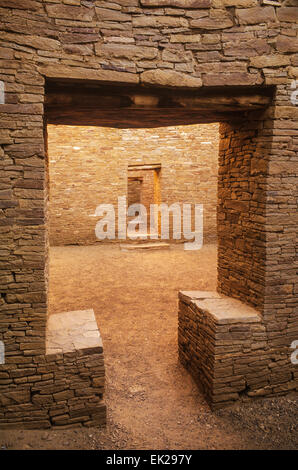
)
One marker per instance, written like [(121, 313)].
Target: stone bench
[(73, 393), (71, 331), (222, 342)]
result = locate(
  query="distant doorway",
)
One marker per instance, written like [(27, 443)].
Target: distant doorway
[(143, 187)]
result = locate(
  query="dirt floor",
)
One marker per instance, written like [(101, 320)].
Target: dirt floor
[(152, 402)]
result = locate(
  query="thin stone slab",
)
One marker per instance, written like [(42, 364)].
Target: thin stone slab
[(144, 246), (223, 309), (191, 295), (72, 331)]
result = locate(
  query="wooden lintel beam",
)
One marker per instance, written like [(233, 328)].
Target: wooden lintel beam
[(145, 101), (146, 107)]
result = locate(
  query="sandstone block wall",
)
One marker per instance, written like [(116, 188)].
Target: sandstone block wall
[(223, 343), (63, 388), (241, 209), (194, 44), (88, 166)]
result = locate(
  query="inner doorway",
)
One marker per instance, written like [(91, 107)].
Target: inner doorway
[(143, 188)]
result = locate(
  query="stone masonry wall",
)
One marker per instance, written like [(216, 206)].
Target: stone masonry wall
[(65, 387), (88, 166), (169, 43), (241, 209), (223, 343)]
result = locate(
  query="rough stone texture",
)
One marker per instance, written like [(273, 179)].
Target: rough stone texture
[(263, 276), (177, 3), (69, 331), (223, 343), (287, 14), (82, 73), (89, 166), (256, 15), (241, 210), (66, 387), (169, 78)]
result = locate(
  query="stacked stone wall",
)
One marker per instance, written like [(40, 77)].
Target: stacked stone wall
[(189, 44), (65, 386), (224, 345)]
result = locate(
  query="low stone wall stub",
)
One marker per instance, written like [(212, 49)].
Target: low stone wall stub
[(74, 347), (66, 386), (223, 343), (72, 331)]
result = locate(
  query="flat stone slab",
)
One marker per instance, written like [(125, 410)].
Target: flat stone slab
[(72, 331), (144, 246), (223, 309), (141, 235), (191, 295)]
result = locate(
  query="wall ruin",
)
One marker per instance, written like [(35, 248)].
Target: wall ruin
[(166, 44)]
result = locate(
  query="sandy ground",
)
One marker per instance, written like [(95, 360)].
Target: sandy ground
[(152, 402)]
